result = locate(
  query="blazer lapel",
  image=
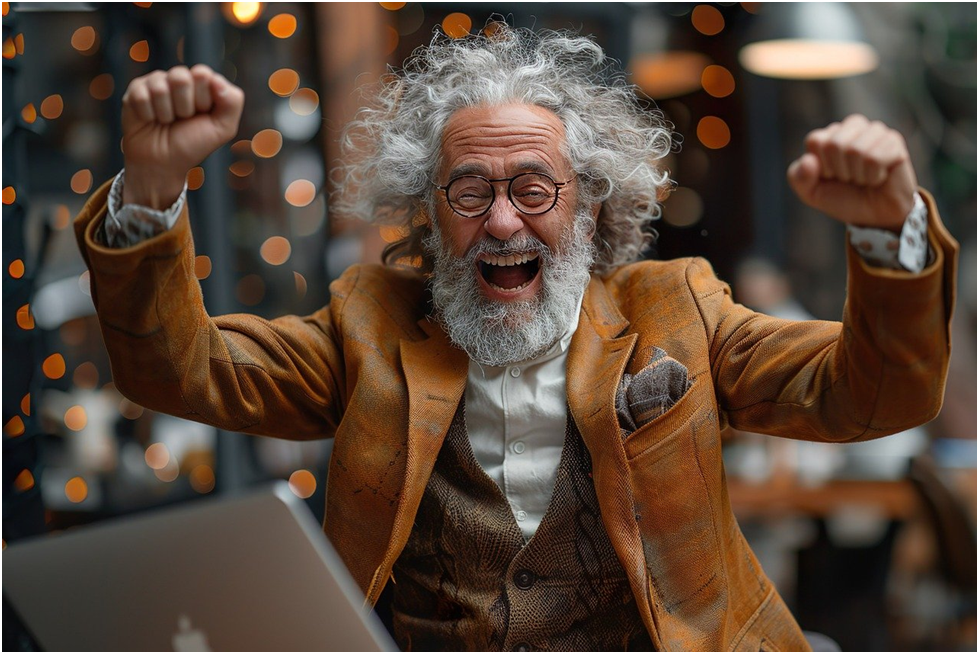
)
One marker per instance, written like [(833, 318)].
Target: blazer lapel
[(435, 372), (597, 358)]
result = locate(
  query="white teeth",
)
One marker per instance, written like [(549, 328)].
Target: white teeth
[(510, 290), (512, 260)]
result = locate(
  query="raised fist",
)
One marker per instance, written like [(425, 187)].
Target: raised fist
[(171, 121), (858, 172)]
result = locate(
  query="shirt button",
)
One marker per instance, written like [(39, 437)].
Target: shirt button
[(514, 372), (521, 516), (519, 447), (523, 647), (524, 579)]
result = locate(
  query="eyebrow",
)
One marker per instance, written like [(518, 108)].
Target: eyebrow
[(479, 169)]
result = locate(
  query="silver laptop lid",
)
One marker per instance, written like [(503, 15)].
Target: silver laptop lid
[(251, 572)]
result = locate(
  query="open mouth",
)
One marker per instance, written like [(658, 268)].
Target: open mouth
[(510, 273)]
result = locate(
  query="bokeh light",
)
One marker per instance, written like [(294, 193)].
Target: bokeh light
[(267, 143), (683, 208), (713, 132), (300, 193), (24, 481), (140, 52), (16, 268), (282, 26), (169, 472), (84, 39), (25, 319), (202, 478), (276, 250), (52, 106), (242, 168), (102, 86), (129, 409), (304, 101), (14, 427), (717, 81), (457, 25), (284, 82), (9, 195), (29, 113), (302, 483), (76, 418), (241, 147), (245, 13), (86, 375), (54, 366), (19, 44), (81, 182), (668, 74), (195, 178), (9, 49), (202, 266), (85, 283), (157, 456), (392, 6), (25, 404), (62, 216), (76, 490), (707, 20), (6, 8)]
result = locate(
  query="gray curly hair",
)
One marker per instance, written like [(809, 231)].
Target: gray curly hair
[(392, 149)]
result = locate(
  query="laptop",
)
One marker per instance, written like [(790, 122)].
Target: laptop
[(249, 572)]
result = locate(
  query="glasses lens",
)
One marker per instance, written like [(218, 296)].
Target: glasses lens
[(470, 195), (533, 193)]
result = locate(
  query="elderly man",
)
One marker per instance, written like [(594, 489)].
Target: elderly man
[(527, 424)]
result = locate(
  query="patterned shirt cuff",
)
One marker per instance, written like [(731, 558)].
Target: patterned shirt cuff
[(129, 224), (909, 251)]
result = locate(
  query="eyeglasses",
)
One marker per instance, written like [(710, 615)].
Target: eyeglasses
[(472, 196)]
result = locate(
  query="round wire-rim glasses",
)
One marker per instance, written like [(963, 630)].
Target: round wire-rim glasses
[(533, 194)]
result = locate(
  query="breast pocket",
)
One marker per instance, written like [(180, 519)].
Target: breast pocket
[(662, 426)]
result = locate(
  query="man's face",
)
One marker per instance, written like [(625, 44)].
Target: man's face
[(496, 143), (507, 284)]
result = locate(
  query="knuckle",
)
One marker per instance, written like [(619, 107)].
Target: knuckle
[(200, 71), (159, 90), (180, 77)]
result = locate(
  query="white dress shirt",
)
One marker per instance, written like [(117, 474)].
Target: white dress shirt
[(516, 417)]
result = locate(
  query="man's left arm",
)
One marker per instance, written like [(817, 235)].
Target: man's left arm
[(884, 368)]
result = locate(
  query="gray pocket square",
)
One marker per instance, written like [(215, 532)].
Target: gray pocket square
[(651, 392)]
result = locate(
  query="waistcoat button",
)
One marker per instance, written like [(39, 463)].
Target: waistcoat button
[(523, 647), (524, 579)]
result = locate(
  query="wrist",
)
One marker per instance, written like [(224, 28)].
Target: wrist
[(151, 188)]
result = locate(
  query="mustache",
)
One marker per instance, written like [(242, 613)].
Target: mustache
[(513, 246)]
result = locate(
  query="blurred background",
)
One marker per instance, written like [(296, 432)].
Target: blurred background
[(872, 544)]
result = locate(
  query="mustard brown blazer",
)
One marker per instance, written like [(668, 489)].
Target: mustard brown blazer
[(370, 370)]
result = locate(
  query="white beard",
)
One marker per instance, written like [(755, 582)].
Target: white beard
[(500, 333)]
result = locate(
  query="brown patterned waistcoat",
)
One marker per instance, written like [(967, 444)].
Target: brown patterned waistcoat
[(466, 579)]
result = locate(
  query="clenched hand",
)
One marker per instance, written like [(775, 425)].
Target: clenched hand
[(858, 172), (171, 121)]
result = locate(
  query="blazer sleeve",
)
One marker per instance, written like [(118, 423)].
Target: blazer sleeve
[(278, 377), (880, 371)]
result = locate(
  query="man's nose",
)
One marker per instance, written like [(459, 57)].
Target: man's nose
[(503, 220)]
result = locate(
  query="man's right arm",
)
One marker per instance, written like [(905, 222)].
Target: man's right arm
[(239, 372)]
